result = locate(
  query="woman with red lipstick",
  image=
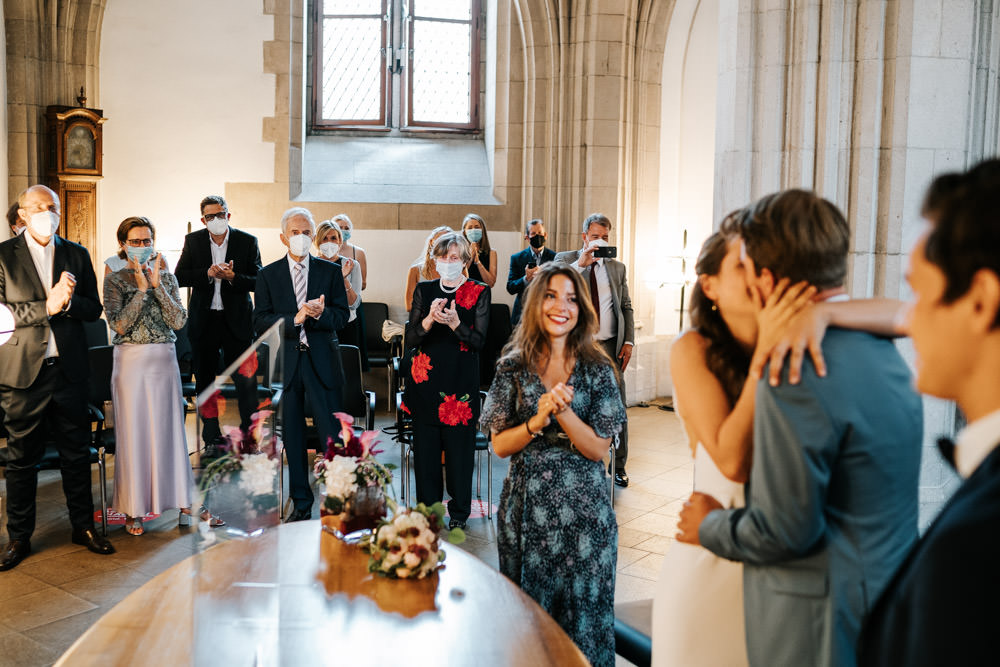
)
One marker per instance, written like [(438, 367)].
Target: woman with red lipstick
[(554, 408)]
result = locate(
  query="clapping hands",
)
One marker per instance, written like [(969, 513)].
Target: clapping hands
[(223, 271), (443, 312), (312, 308), (146, 278), (555, 401), (61, 293)]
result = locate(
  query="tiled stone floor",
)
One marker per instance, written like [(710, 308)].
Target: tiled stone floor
[(61, 589)]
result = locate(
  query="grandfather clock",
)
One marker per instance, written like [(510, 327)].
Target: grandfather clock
[(75, 151)]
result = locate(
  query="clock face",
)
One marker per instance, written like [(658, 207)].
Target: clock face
[(79, 148)]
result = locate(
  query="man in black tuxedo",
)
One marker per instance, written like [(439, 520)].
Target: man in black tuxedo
[(308, 294), (220, 265), (938, 609), (50, 286), (524, 264)]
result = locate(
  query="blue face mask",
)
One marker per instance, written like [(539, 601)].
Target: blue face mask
[(140, 255), (474, 235), (345, 234)]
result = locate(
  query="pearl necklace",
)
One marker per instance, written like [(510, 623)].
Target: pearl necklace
[(452, 290)]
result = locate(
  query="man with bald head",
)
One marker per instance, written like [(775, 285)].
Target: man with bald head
[(49, 285)]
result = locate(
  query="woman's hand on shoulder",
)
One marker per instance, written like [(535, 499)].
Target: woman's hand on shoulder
[(789, 323)]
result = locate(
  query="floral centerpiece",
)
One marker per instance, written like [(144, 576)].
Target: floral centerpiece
[(408, 545), (251, 457), (352, 482)]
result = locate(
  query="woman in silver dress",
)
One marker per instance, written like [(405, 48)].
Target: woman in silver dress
[(143, 307)]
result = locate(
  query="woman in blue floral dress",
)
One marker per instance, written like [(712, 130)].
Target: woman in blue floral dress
[(554, 407)]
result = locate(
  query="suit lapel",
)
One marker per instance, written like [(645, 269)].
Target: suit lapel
[(58, 258), (314, 279), (284, 284), (27, 265)]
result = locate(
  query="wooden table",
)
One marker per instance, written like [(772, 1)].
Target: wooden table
[(297, 596)]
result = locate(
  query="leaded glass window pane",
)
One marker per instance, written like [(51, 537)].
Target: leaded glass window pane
[(441, 71), (352, 7), (443, 9), (352, 67)]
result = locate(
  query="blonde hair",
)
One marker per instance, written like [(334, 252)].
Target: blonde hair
[(426, 260), (529, 345), (324, 227)]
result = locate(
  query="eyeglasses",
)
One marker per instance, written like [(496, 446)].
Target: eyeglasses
[(139, 243), (221, 215)]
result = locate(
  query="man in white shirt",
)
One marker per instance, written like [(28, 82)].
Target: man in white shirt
[(49, 285), (940, 607), (614, 310)]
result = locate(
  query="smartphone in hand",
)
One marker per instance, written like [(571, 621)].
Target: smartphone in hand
[(608, 251)]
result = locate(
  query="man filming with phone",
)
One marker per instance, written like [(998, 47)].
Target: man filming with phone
[(609, 296)]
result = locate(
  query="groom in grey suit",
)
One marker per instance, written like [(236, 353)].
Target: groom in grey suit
[(832, 498)]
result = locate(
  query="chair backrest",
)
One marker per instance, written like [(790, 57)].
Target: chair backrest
[(101, 364), (96, 332), (182, 348), (354, 392), (500, 322), (375, 313)]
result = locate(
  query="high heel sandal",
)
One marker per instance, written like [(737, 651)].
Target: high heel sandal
[(184, 518), (133, 526)]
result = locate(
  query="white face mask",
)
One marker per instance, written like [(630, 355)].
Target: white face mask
[(329, 249), (44, 224), (217, 226), (449, 271), (597, 243), (19, 230), (299, 245)]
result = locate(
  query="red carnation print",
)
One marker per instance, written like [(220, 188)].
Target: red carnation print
[(453, 410), (468, 293), (418, 369), (463, 347), (213, 405), (248, 368)]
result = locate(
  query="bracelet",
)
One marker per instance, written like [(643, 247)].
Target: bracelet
[(528, 429)]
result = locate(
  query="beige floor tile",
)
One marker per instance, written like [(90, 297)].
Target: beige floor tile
[(656, 524), (658, 544), (67, 567), (647, 567), (41, 607), (60, 635), (628, 555), (628, 537), (16, 649), (639, 497), (15, 583), (629, 588), (107, 589)]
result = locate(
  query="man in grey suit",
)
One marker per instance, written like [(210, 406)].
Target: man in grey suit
[(609, 296), (831, 505)]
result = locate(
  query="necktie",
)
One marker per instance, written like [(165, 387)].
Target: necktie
[(595, 297), (300, 295), (947, 448)]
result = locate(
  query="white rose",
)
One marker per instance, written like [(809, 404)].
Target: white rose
[(411, 560), (392, 558), (402, 573)]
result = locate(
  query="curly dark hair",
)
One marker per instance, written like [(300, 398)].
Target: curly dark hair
[(726, 359)]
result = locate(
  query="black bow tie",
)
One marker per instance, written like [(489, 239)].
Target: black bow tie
[(947, 448)]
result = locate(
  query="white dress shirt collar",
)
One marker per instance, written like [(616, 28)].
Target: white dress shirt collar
[(292, 262), (975, 442)]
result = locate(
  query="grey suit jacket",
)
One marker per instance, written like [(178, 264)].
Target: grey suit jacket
[(831, 502), (619, 295)]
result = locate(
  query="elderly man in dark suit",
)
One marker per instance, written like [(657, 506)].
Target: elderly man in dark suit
[(524, 264), (220, 264), (831, 506), (49, 285), (938, 609), (307, 293), (610, 298)]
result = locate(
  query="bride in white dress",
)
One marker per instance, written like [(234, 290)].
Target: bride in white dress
[(698, 600)]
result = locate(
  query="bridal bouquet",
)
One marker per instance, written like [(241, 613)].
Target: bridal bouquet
[(352, 482), (408, 545)]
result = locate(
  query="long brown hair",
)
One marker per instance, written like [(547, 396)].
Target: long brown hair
[(529, 346), (725, 357)]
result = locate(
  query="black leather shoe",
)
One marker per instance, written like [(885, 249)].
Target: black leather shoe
[(621, 478), (14, 553), (455, 523), (89, 538), (300, 515)]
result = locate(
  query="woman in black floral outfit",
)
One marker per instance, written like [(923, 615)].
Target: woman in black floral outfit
[(446, 330), (554, 406)]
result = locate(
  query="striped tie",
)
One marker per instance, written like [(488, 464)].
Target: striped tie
[(300, 296)]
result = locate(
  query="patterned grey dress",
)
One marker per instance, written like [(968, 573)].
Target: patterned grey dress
[(557, 534), (152, 470)]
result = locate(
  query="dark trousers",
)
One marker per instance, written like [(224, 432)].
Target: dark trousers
[(304, 386), (621, 454), (214, 337), (459, 446), (56, 407)]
